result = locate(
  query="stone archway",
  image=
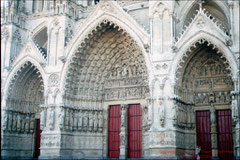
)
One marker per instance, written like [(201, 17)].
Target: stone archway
[(108, 68), (204, 85), (21, 113)]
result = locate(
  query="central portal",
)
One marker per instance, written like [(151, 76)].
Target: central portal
[(134, 133), (107, 69)]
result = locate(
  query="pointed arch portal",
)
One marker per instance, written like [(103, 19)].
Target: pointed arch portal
[(205, 81), (21, 127), (108, 67)]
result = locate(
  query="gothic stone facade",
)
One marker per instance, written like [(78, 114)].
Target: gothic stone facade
[(65, 63)]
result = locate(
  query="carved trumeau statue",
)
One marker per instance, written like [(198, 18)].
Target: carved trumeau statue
[(123, 138), (123, 115), (213, 114)]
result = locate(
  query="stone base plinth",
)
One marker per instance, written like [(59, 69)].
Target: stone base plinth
[(172, 153)]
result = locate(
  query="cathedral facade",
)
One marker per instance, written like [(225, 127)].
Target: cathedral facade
[(98, 79)]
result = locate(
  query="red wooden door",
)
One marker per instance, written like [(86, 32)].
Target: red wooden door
[(114, 131), (134, 131), (37, 139), (225, 139), (204, 134)]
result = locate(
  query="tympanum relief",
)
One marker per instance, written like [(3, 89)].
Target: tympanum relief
[(127, 79), (207, 73)]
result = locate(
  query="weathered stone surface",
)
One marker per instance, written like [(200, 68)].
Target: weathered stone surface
[(65, 63)]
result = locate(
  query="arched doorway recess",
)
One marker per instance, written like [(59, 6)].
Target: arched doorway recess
[(20, 116), (204, 80), (107, 69)]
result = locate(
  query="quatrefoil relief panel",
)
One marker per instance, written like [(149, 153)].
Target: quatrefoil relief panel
[(53, 80)]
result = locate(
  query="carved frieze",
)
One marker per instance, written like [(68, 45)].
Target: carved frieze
[(17, 122), (185, 117), (162, 138), (223, 97), (89, 120), (50, 141)]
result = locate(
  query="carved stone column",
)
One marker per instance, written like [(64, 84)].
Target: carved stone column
[(236, 121), (213, 131), (123, 132)]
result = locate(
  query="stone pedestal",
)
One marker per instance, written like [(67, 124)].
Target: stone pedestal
[(123, 153), (214, 141)]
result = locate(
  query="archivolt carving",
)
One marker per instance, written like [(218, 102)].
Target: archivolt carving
[(24, 95), (194, 47), (109, 62), (203, 71)]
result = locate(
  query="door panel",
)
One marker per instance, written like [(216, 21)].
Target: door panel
[(37, 139), (134, 131), (225, 139), (114, 131), (204, 134)]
